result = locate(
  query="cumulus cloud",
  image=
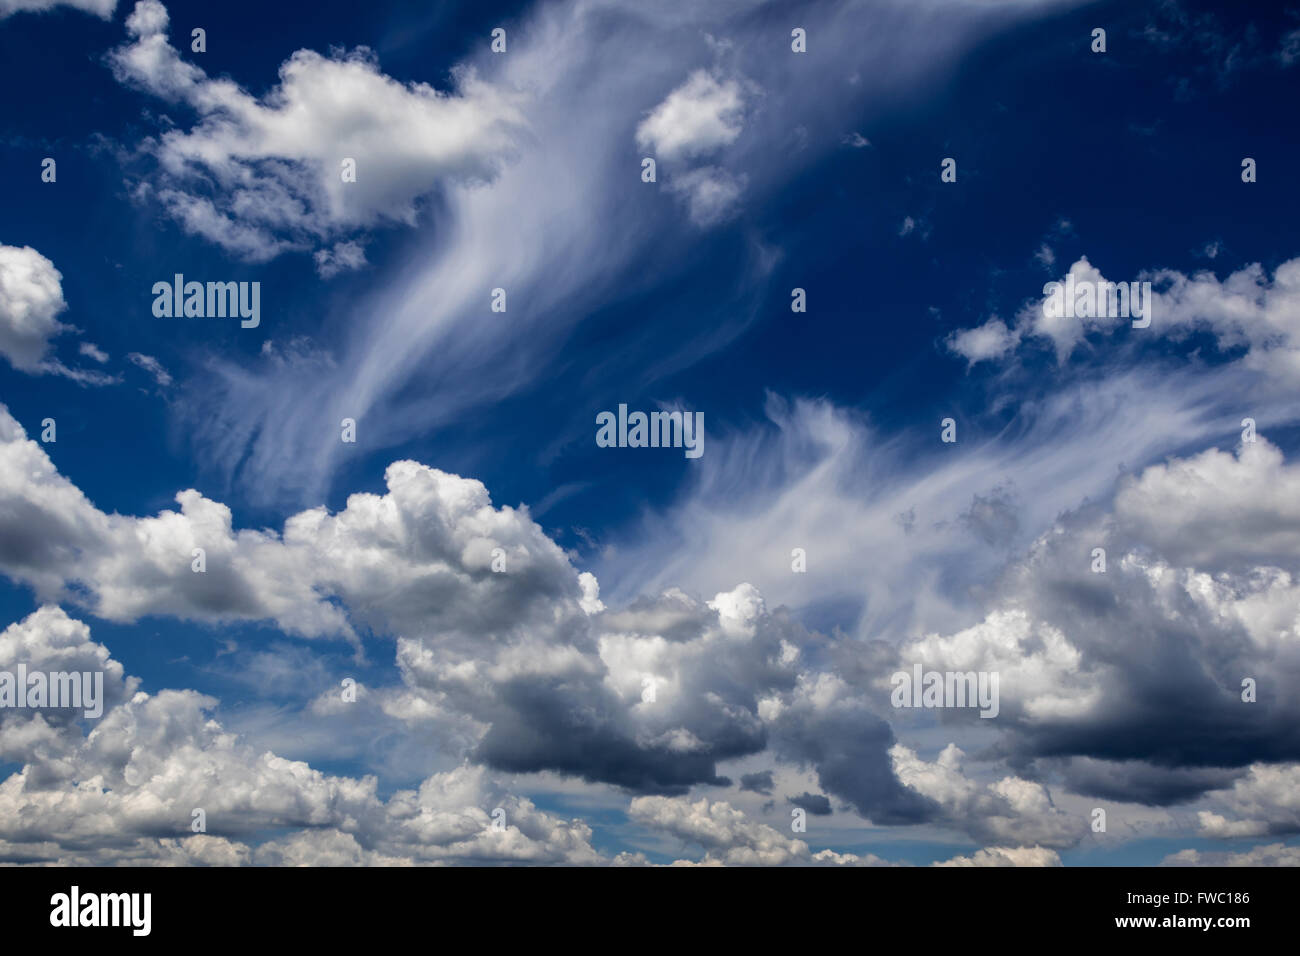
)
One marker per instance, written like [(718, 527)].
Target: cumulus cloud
[(701, 116), (1251, 316), (525, 668), (1007, 856), (31, 297), (1264, 802), (729, 838), (1009, 811), (697, 119), (529, 671), (992, 340), (128, 786), (1137, 673), (277, 161)]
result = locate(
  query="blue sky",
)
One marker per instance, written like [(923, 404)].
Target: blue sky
[(776, 170)]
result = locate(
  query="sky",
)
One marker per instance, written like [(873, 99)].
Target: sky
[(366, 583)]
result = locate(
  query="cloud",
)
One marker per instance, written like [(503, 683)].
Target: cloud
[(1274, 854), (521, 667), (730, 839), (278, 161), (817, 804), (546, 218), (152, 366), (92, 351), (31, 296), (126, 790), (1010, 811), (701, 116), (1007, 856), (528, 671), (100, 8), (1141, 667), (990, 341), (1251, 317), (711, 193), (1263, 802), (343, 257)]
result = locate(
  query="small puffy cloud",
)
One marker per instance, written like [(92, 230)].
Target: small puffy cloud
[(31, 296), (990, 341), (1067, 331), (702, 115)]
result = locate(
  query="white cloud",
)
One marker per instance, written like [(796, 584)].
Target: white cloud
[(1265, 801), (701, 116), (343, 257), (152, 366), (729, 838), (150, 760), (92, 351), (992, 340), (1009, 812), (31, 296), (1273, 854), (1007, 856), (277, 160), (1246, 311), (551, 225), (100, 8)]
